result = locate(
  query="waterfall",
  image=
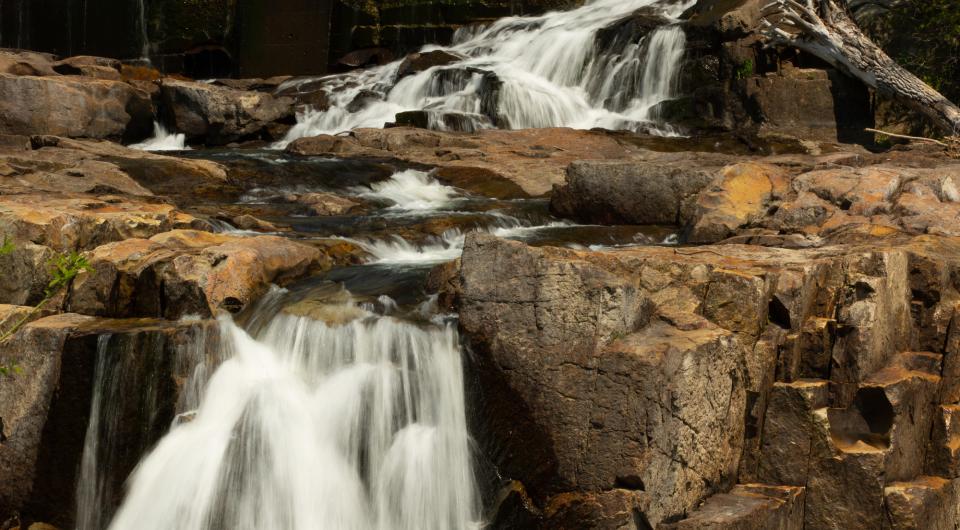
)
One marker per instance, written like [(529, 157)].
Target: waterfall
[(524, 72), (358, 423), (163, 140), (144, 36), (126, 397), (660, 73)]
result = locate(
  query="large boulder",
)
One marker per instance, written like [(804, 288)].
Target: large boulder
[(182, 179), (607, 397), (74, 107), (655, 191), (23, 62), (219, 115), (186, 272), (836, 368)]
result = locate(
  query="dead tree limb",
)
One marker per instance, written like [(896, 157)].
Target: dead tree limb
[(906, 137), (825, 30)]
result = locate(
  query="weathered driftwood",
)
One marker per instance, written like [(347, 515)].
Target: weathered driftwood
[(825, 30), (907, 137)]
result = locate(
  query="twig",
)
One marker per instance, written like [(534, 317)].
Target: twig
[(701, 251), (905, 137), (16, 327)]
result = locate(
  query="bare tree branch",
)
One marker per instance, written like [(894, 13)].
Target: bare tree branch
[(825, 30)]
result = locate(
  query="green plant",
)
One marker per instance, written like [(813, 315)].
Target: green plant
[(63, 269), (6, 247), (744, 69), (11, 369)]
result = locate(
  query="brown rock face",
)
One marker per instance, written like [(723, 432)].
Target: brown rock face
[(418, 62), (748, 507), (45, 407), (220, 115), (186, 272), (535, 167), (648, 381), (606, 191), (73, 107), (620, 403)]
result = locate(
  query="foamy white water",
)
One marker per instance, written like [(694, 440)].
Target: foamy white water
[(163, 140), (312, 426), (525, 72), (411, 190), (398, 251)]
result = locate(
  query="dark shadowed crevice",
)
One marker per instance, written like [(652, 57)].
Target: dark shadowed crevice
[(875, 409), (640, 521), (778, 313), (629, 482)]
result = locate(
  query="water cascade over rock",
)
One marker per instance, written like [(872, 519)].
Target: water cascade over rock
[(562, 69), (341, 419)]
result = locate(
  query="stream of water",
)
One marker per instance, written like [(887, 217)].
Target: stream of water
[(339, 402), (524, 72)]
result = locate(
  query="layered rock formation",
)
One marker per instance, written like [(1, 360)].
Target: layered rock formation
[(803, 381), (151, 264)]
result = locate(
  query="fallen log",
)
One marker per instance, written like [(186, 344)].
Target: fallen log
[(825, 30)]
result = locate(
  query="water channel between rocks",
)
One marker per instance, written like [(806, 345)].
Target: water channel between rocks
[(335, 402)]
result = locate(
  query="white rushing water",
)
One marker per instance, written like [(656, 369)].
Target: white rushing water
[(309, 426), (163, 140), (525, 72), (129, 377), (398, 251), (411, 190), (144, 36)]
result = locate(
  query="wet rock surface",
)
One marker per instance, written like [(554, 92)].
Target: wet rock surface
[(220, 115), (793, 363), (532, 159)]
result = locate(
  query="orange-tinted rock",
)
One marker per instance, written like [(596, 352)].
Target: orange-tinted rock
[(925, 503), (741, 195), (85, 222), (186, 272)]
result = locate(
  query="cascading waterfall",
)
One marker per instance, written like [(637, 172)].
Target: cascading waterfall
[(126, 379), (163, 140), (144, 36), (356, 424), (524, 72)]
